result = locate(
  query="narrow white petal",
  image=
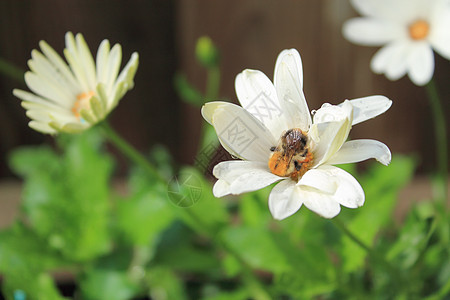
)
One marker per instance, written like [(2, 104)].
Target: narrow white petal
[(30, 97), (288, 80), (243, 176), (440, 23), (349, 192), (319, 180), (321, 203), (370, 31), (87, 61), (378, 8), (101, 60), (59, 64), (359, 150), (369, 107), (73, 58), (421, 64), (391, 60), (113, 66), (42, 66), (221, 188), (46, 89), (331, 135), (239, 132), (284, 201), (124, 81), (41, 127), (257, 95)]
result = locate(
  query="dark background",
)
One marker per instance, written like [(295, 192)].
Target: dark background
[(249, 34)]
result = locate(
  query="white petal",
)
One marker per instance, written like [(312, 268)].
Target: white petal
[(440, 23), (41, 127), (86, 60), (334, 113), (284, 200), (257, 95), (349, 192), (243, 176), (288, 80), (369, 107), (40, 65), (125, 80), (101, 60), (113, 66), (391, 60), (372, 8), (321, 203), (370, 31), (239, 132), (73, 58), (59, 64), (221, 188), (44, 88), (30, 97), (359, 150), (421, 64), (319, 180), (331, 135), (401, 11)]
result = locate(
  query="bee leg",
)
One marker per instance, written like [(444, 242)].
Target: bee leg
[(297, 165)]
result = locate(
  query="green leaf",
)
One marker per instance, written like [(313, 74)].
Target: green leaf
[(191, 194), (180, 249), (34, 286), (381, 186), (165, 284), (66, 197), (142, 217), (256, 247), (107, 285), (23, 259)]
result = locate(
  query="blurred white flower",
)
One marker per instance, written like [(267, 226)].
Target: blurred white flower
[(409, 31), (276, 138), (71, 98)]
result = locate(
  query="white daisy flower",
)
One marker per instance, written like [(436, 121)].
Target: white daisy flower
[(409, 31), (71, 98), (278, 141)]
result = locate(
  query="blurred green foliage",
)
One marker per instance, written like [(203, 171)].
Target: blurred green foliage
[(137, 243), (175, 240)]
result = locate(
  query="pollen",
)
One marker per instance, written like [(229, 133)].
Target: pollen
[(419, 30), (82, 102), (292, 157)]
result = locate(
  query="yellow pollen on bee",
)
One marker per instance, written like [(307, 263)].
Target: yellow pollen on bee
[(419, 30), (82, 102), (292, 157)]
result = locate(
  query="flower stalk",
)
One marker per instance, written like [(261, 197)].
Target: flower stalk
[(137, 263), (130, 151), (440, 139)]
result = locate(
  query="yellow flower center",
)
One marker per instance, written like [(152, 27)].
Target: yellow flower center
[(419, 30), (82, 102), (291, 158)]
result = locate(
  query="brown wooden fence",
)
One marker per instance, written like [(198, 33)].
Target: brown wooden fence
[(249, 33)]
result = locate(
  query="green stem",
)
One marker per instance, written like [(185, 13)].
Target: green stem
[(372, 254), (253, 282), (11, 70), (130, 151), (353, 237), (440, 137), (211, 93)]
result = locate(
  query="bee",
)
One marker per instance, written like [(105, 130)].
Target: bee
[(291, 158)]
